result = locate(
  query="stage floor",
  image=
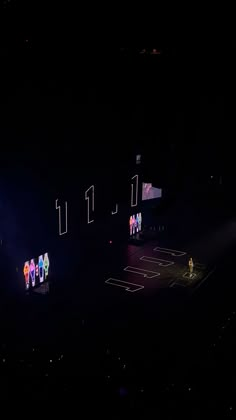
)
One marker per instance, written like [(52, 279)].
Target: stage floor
[(163, 263), (152, 266)]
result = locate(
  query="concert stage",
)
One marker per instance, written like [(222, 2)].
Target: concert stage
[(152, 266)]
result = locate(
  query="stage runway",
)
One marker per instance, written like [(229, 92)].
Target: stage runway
[(163, 264), (152, 266)]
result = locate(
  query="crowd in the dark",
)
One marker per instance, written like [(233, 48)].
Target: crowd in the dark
[(108, 378)]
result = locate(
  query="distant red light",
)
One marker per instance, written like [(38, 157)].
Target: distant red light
[(110, 242)]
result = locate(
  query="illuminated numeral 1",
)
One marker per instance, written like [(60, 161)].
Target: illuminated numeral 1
[(134, 196), (89, 196), (58, 207)]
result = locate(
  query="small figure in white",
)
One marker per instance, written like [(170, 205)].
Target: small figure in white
[(191, 265)]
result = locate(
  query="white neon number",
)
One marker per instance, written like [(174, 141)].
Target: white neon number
[(134, 203), (58, 207), (116, 210), (89, 196)]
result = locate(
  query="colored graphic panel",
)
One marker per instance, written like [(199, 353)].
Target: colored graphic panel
[(26, 271), (135, 223), (149, 192), (36, 271)]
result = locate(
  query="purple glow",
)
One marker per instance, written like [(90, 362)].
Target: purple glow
[(149, 192)]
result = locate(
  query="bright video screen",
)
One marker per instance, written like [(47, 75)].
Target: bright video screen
[(135, 224), (36, 271), (149, 192)]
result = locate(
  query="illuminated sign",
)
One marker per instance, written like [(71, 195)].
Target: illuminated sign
[(89, 197), (149, 192), (135, 223), (26, 271), (115, 211), (134, 191), (58, 207), (36, 271)]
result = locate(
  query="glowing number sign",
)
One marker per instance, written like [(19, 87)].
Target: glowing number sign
[(115, 211), (89, 196), (46, 264), (135, 224), (36, 271), (58, 207), (134, 187), (26, 271)]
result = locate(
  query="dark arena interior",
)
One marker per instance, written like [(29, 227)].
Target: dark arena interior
[(115, 170)]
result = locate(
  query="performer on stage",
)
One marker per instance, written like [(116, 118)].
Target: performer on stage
[(191, 265)]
